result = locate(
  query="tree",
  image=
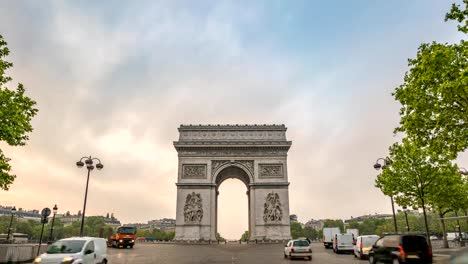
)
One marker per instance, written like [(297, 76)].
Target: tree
[(219, 237), (245, 236), (296, 230), (16, 112), (459, 15), (434, 94), (415, 176), (450, 195)]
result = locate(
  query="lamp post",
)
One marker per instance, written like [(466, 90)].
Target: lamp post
[(406, 218), (13, 211), (54, 211), (379, 166), (89, 165)]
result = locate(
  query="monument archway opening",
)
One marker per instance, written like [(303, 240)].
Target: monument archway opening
[(232, 209), (253, 154)]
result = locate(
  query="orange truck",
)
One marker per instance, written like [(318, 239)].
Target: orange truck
[(125, 237)]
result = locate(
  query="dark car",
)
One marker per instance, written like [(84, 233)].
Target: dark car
[(398, 249)]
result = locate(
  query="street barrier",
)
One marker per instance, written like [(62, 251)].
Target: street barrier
[(19, 253)]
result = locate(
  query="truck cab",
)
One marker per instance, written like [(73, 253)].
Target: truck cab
[(125, 237)]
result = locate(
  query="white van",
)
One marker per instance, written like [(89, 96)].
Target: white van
[(343, 243), (328, 235), (75, 250), (364, 245)]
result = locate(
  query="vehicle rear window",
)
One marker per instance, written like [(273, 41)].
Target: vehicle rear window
[(347, 239), (414, 243), (301, 243), (368, 241)]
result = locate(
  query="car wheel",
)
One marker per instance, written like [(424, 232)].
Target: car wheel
[(104, 261), (371, 259), (285, 256), (310, 258)]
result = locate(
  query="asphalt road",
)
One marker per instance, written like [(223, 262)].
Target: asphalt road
[(229, 254)]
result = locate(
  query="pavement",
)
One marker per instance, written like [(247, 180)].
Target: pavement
[(231, 253)]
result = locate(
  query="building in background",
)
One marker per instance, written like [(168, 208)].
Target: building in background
[(21, 214), (165, 224), (360, 219), (315, 224)]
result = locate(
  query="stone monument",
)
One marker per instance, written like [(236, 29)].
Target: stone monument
[(254, 154)]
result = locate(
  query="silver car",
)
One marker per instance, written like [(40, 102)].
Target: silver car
[(298, 248)]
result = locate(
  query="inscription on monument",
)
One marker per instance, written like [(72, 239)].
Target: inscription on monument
[(272, 212), (193, 209), (271, 170), (194, 171)]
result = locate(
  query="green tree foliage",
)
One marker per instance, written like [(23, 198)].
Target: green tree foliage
[(245, 236), (296, 230), (16, 112), (416, 176), (334, 223), (434, 94), (460, 15)]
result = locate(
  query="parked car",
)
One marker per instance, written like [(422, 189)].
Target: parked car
[(364, 245), (396, 249), (343, 243), (298, 248), (76, 250)]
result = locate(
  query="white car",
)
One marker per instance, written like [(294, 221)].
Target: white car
[(75, 250), (364, 245), (298, 248)]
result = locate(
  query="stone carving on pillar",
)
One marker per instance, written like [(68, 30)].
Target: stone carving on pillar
[(193, 209), (194, 171), (272, 212), (271, 170)]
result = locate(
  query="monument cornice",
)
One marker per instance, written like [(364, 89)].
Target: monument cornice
[(237, 127), (237, 143)]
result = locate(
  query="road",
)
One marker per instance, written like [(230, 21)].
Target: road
[(229, 254)]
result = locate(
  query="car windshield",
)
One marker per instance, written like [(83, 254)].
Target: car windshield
[(66, 246), (301, 243), (368, 241), (414, 243), (126, 230)]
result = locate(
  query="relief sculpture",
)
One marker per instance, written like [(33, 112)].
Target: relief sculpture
[(271, 170), (194, 171), (193, 210), (272, 211)]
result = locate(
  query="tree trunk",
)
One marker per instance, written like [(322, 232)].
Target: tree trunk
[(425, 223), (444, 232)]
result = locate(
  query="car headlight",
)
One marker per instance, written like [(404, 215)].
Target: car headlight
[(68, 260), (133, 240), (120, 240), (37, 260)]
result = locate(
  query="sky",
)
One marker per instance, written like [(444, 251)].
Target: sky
[(114, 80)]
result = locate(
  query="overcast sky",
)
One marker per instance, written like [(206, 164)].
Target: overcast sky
[(114, 79)]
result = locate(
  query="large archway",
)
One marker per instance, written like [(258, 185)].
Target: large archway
[(256, 155), (231, 172)]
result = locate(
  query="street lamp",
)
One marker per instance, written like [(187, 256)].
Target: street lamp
[(379, 166), (13, 211), (406, 218), (54, 211), (89, 165)]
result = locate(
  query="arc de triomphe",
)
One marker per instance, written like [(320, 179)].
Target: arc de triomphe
[(254, 154)]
